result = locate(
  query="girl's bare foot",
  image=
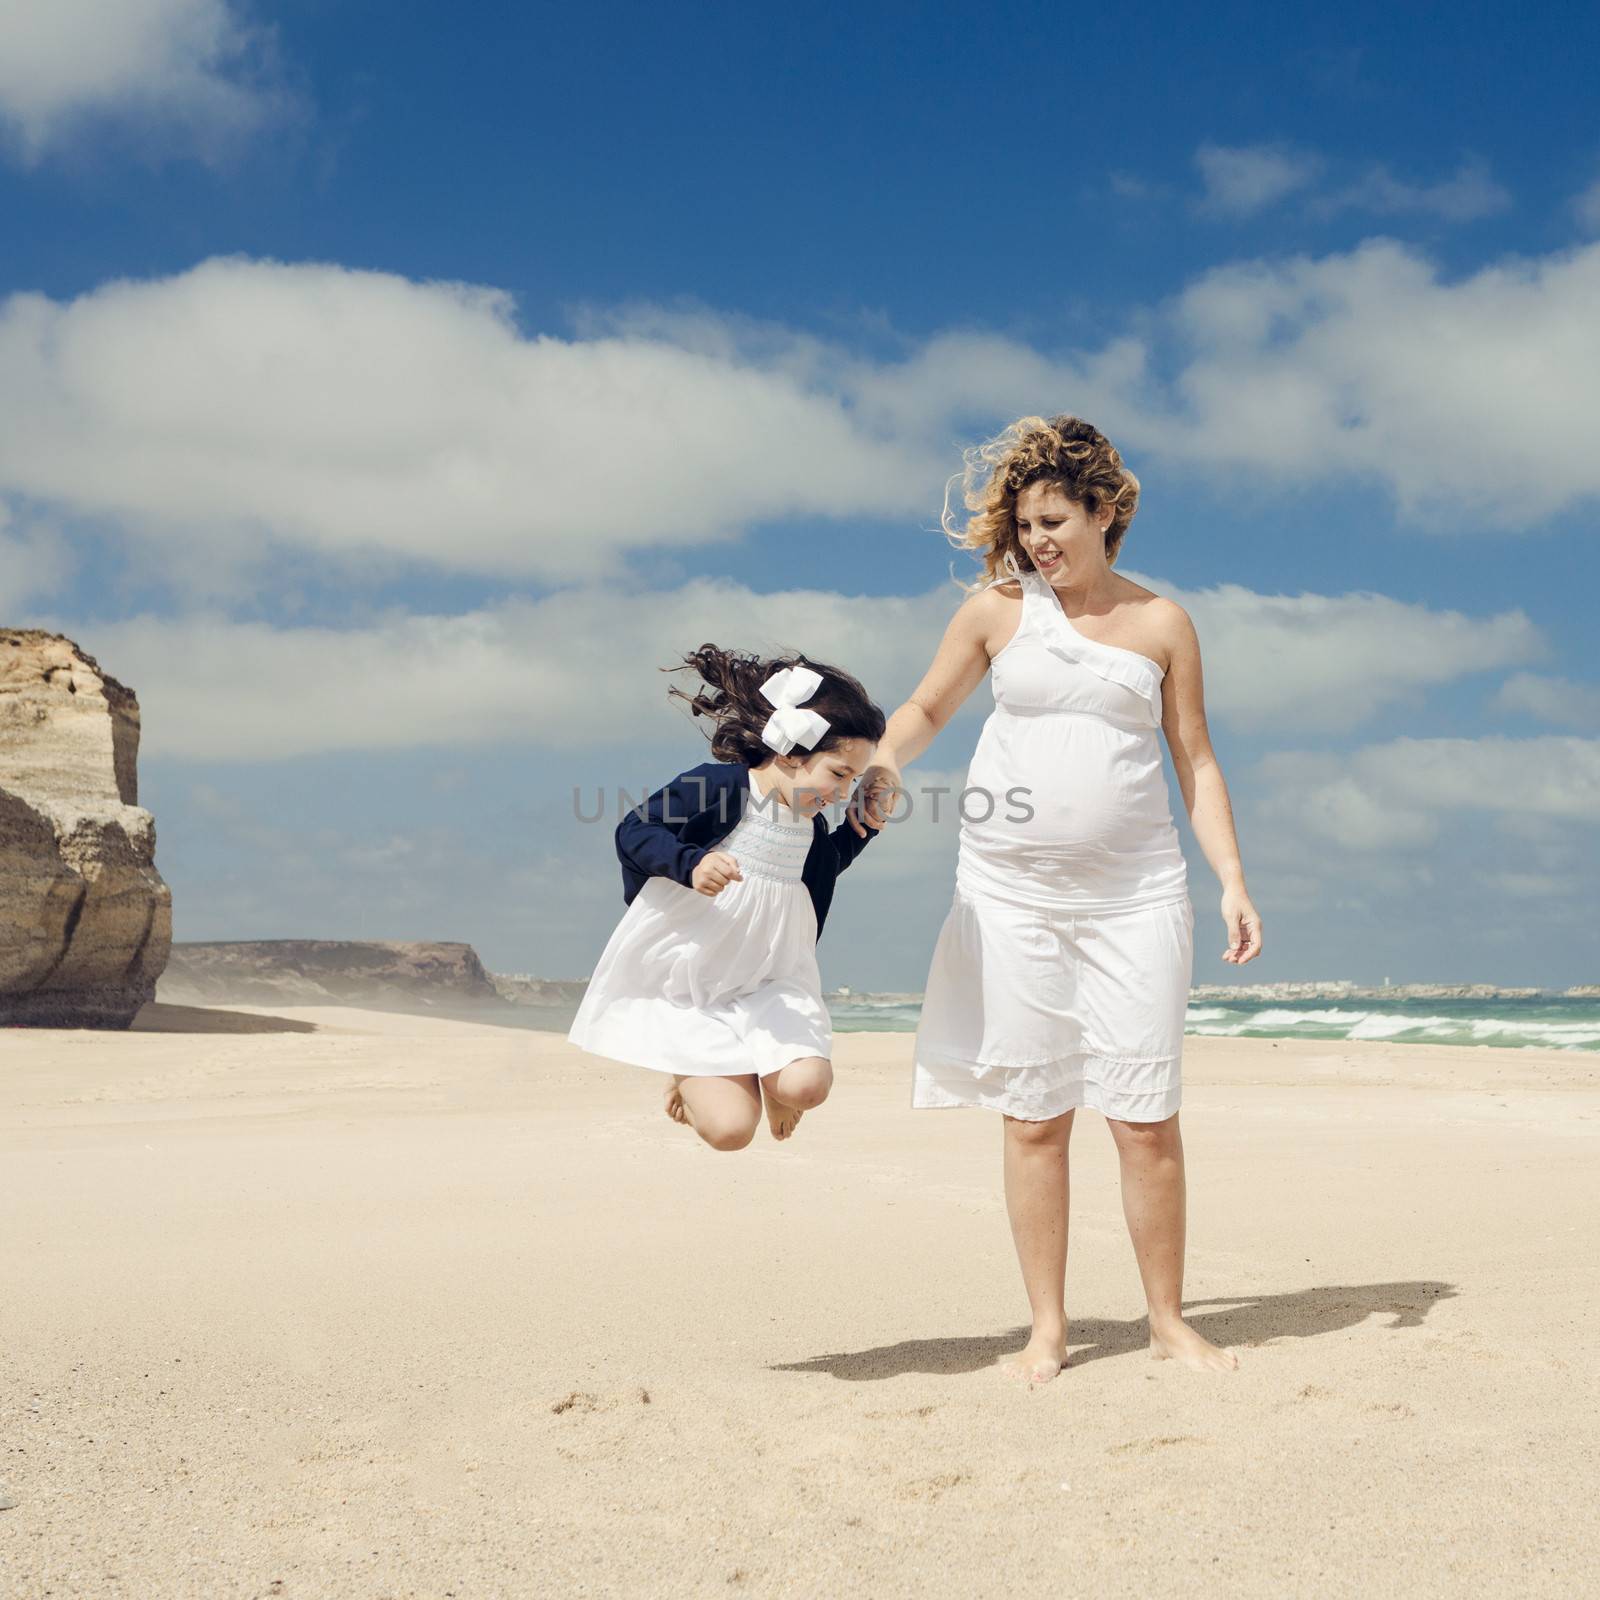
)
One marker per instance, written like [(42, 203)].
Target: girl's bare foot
[(1040, 1360), (782, 1119), (674, 1104), (1177, 1341)]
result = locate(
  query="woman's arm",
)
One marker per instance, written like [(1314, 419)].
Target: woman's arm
[(1205, 792), (957, 669)]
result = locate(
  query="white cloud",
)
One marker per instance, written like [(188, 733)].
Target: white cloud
[(1533, 885), (1367, 365), (1328, 662), (549, 671), (1364, 366), (354, 414), (1470, 194), (34, 562), (1393, 796), (1586, 206), (191, 66), (246, 410), (1242, 180), (1555, 700)]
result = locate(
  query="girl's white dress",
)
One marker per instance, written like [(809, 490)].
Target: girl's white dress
[(1061, 974), (717, 985)]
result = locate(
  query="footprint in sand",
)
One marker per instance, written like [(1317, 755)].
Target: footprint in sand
[(582, 1401), (931, 1488), (1143, 1447)]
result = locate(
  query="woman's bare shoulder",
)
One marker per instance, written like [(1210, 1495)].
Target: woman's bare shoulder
[(991, 613), (1155, 610), (981, 607), (1170, 634), (1156, 626)]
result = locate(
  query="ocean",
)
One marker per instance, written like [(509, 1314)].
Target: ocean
[(1548, 1021)]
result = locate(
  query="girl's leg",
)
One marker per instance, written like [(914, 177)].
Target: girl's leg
[(1036, 1202), (723, 1111), (800, 1086), (1151, 1154)]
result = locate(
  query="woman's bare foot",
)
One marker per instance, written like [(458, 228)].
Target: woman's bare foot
[(1177, 1341), (675, 1107), (782, 1119), (1038, 1361)]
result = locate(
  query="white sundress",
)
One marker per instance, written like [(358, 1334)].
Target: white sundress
[(1061, 975), (716, 985)]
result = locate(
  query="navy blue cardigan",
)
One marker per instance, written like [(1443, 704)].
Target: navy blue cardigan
[(667, 835)]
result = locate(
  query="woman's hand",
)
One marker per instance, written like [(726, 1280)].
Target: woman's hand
[(875, 798), (1243, 923), (713, 872)]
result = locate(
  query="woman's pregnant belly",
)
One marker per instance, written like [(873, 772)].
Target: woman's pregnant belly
[(1079, 814)]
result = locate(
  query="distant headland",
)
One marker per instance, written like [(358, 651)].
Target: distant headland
[(403, 975)]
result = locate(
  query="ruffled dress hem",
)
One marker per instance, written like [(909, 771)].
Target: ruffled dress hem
[(1036, 1091)]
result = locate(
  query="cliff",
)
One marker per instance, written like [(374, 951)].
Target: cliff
[(311, 972), (85, 919)]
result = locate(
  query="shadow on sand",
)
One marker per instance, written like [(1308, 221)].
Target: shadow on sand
[(160, 1018), (1247, 1320)]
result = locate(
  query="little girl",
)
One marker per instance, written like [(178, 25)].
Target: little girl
[(727, 874)]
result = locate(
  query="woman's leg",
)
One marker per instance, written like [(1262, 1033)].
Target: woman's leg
[(1036, 1202), (801, 1085), (1151, 1154), (723, 1111)]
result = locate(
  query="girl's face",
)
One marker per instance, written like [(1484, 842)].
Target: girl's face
[(1065, 544), (809, 784)]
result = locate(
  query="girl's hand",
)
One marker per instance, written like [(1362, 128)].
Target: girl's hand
[(875, 798), (1243, 923), (713, 872)]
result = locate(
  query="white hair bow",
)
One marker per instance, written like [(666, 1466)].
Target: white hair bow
[(789, 725)]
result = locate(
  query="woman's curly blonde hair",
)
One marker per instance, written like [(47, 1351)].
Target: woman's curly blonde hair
[(1066, 451)]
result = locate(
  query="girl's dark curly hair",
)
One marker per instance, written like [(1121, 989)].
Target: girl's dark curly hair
[(733, 701)]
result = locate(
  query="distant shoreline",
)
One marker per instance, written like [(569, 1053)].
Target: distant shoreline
[(443, 979), (1333, 989), (514, 986)]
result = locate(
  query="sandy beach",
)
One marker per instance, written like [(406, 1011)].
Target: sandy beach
[(339, 1303)]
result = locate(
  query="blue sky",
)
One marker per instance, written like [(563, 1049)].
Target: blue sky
[(386, 398)]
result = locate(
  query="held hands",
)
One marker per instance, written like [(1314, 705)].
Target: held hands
[(1243, 923), (875, 798), (713, 872)]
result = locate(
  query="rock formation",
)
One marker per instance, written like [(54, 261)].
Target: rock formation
[(85, 920), (312, 972)]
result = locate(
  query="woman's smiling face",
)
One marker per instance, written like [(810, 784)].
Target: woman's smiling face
[(1058, 535)]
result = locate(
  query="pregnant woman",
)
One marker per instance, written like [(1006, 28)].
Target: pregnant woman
[(1061, 974)]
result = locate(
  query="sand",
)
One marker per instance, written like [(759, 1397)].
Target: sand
[(404, 1307)]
